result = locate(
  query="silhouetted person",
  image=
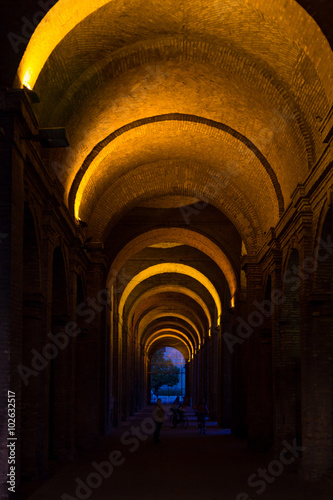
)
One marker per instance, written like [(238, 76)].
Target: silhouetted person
[(178, 409), (158, 417), (201, 412), (174, 410)]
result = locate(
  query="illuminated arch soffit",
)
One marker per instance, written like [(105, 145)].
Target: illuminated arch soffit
[(170, 267), (60, 19), (168, 335), (171, 288), (176, 235), (173, 314), (164, 331)]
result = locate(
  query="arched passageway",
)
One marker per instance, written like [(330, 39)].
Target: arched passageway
[(166, 182)]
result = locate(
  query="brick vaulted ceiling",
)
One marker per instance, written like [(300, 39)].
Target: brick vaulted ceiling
[(215, 99), (167, 101)]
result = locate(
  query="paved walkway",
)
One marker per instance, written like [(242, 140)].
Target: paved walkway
[(185, 465)]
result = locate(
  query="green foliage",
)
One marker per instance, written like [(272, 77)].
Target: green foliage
[(164, 372)]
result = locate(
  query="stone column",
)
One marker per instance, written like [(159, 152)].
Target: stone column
[(317, 439), (224, 362), (316, 321), (16, 120), (142, 372), (116, 368), (237, 353), (259, 383), (33, 308), (188, 380), (90, 347), (47, 248), (275, 266), (125, 373)]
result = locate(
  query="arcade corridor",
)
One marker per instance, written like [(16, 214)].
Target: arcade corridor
[(166, 181)]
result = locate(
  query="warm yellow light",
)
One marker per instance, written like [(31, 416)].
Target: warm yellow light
[(174, 330), (176, 337), (27, 79), (153, 315), (165, 244), (169, 288), (177, 235), (66, 14), (93, 169), (171, 267), (55, 25)]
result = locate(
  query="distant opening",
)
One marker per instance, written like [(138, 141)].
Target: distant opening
[(167, 377)]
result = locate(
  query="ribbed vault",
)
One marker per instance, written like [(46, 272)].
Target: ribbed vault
[(170, 339), (141, 303), (167, 98), (182, 236), (213, 101), (176, 323), (171, 268), (175, 310)]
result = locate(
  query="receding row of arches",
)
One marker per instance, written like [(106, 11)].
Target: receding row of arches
[(189, 205), (100, 360)]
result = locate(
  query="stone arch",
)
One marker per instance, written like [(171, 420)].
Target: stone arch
[(225, 199), (319, 361), (169, 336), (168, 288), (172, 302), (166, 342), (162, 314), (174, 321), (152, 58), (176, 235), (289, 352), (167, 268), (195, 121), (323, 252), (61, 20)]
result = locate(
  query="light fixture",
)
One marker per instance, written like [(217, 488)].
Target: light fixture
[(53, 137), (82, 224), (33, 96)]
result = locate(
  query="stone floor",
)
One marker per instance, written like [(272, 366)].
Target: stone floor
[(185, 465)]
